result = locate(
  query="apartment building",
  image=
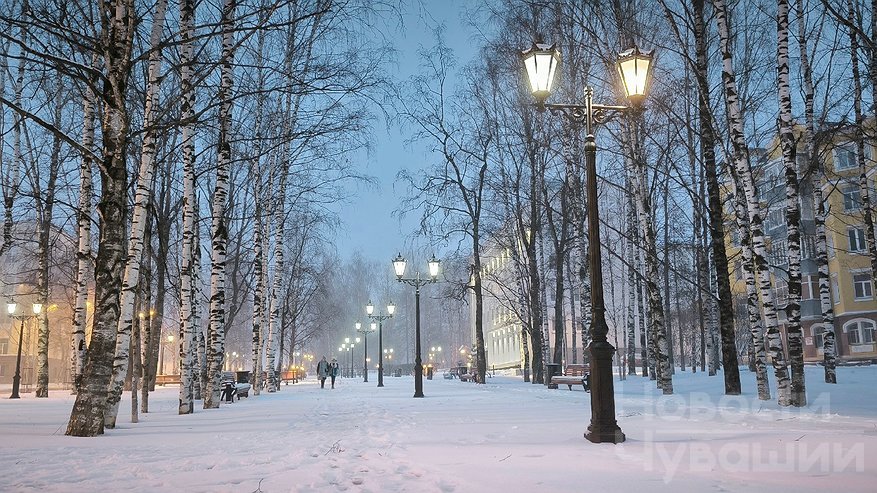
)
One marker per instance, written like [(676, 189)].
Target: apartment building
[(852, 282)]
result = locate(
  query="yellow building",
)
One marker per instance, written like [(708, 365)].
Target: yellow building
[(852, 283)]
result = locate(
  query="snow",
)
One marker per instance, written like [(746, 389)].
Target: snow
[(504, 436)]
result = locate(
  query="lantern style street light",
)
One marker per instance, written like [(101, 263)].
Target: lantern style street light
[(399, 266), (10, 309), (347, 370), (365, 331), (379, 318), (542, 62)]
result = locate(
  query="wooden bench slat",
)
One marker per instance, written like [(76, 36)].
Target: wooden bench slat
[(573, 374)]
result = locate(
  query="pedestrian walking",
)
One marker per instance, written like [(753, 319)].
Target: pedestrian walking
[(323, 372), (333, 370)]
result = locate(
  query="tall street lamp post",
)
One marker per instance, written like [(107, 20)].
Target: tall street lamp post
[(379, 318), (349, 345), (541, 62), (416, 281), (10, 309), (365, 331)]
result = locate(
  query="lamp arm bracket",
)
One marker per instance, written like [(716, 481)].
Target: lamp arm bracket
[(578, 113)]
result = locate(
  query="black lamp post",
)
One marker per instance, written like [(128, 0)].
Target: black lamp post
[(10, 309), (380, 317), (541, 62), (365, 331), (416, 281)]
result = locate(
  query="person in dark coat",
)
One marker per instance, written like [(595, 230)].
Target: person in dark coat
[(334, 369), (323, 372)]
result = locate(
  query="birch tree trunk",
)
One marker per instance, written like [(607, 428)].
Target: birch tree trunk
[(744, 170), (219, 225), (756, 329), (716, 221), (197, 306), (535, 302), (573, 315), (817, 171), (279, 234), (144, 299), (794, 334), (631, 291), (83, 251), (11, 176), (543, 298), (259, 290), (138, 222), (867, 208), (188, 350), (867, 213), (523, 301), (117, 34), (663, 371), (45, 204)]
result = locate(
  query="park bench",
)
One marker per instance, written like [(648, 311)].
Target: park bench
[(574, 374), (231, 388), (167, 379)]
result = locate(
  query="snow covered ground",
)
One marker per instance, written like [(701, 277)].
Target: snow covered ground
[(505, 436)]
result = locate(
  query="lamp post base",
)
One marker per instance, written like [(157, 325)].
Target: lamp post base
[(16, 383), (603, 427)]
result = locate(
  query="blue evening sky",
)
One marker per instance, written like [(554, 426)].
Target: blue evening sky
[(368, 223)]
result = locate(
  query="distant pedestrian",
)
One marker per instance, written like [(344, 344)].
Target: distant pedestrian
[(323, 372), (333, 371)]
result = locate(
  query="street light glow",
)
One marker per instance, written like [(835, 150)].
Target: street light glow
[(634, 67), (541, 61)]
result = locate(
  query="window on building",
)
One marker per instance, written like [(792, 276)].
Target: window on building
[(778, 253), (810, 287), (4, 345), (852, 198), (860, 332), (845, 156), (818, 336), (857, 240), (774, 220), (781, 293), (829, 243), (808, 246), (835, 290), (862, 285)]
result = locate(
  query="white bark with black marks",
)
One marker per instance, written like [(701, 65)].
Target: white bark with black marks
[(188, 298), (131, 277), (219, 222), (741, 162)]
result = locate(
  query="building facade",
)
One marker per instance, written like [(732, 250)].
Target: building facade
[(852, 282)]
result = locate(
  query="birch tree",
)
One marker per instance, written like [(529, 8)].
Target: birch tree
[(131, 277), (44, 195), (117, 20), (188, 296), (83, 222), (794, 333), (743, 167), (219, 221), (817, 171)]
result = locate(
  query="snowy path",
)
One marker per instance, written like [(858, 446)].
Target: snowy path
[(506, 436)]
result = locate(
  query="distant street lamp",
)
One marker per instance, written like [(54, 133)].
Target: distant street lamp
[(10, 309), (399, 265), (365, 331), (433, 351), (541, 63), (380, 317)]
